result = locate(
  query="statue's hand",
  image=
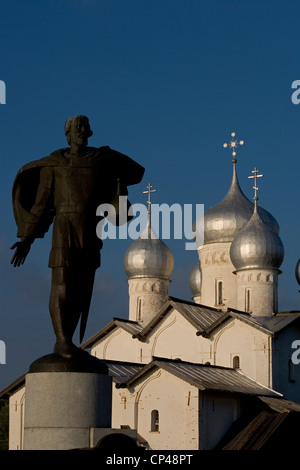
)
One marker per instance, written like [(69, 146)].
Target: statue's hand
[(22, 250)]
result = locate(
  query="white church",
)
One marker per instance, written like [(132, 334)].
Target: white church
[(212, 373)]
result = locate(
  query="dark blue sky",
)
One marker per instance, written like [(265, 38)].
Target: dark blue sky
[(165, 82)]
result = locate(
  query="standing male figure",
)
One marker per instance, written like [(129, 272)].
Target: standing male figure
[(67, 187)]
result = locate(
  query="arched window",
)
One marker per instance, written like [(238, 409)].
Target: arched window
[(236, 362), (154, 421)]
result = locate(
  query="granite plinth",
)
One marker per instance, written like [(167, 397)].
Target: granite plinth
[(63, 402)]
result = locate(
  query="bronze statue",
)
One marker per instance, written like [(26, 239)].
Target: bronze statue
[(66, 188)]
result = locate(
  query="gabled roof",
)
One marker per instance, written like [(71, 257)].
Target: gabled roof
[(205, 377), (204, 319), (200, 316), (281, 320), (132, 327)]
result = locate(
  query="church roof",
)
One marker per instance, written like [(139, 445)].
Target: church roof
[(206, 319), (206, 377), (203, 318), (200, 316), (274, 425), (122, 371), (280, 321), (132, 327), (268, 325)]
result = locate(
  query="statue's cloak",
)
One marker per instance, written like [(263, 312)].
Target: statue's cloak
[(112, 163)]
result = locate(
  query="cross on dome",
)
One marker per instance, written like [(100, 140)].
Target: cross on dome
[(149, 191), (233, 145), (255, 176)]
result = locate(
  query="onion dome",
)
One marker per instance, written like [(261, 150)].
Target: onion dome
[(195, 280), (298, 271), (226, 219), (256, 245)]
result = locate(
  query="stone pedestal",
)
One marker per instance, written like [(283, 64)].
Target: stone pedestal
[(61, 407)]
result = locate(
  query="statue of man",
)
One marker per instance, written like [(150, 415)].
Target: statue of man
[(66, 188)]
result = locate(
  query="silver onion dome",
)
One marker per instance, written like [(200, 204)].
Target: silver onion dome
[(195, 280), (256, 246), (223, 221), (297, 273), (148, 256)]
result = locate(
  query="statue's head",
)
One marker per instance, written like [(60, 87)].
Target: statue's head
[(77, 130)]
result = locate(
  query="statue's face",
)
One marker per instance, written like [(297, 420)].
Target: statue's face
[(79, 132)]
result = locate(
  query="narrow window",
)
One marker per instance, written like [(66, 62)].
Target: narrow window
[(236, 362), (154, 421), (219, 292), (291, 371), (139, 309), (248, 301)]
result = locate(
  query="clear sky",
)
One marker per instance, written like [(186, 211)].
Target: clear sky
[(165, 82)]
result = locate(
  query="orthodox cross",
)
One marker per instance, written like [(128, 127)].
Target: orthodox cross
[(233, 145), (255, 176), (149, 191)]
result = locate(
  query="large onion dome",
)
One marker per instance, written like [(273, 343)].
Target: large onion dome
[(195, 280), (223, 221), (256, 246), (298, 271), (148, 256)]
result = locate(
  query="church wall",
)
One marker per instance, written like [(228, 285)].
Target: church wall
[(169, 400), (16, 419), (250, 345), (217, 412), (120, 346), (123, 408), (176, 338)]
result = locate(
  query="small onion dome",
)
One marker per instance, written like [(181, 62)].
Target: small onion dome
[(223, 221), (148, 256), (298, 271), (257, 246), (195, 280)]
